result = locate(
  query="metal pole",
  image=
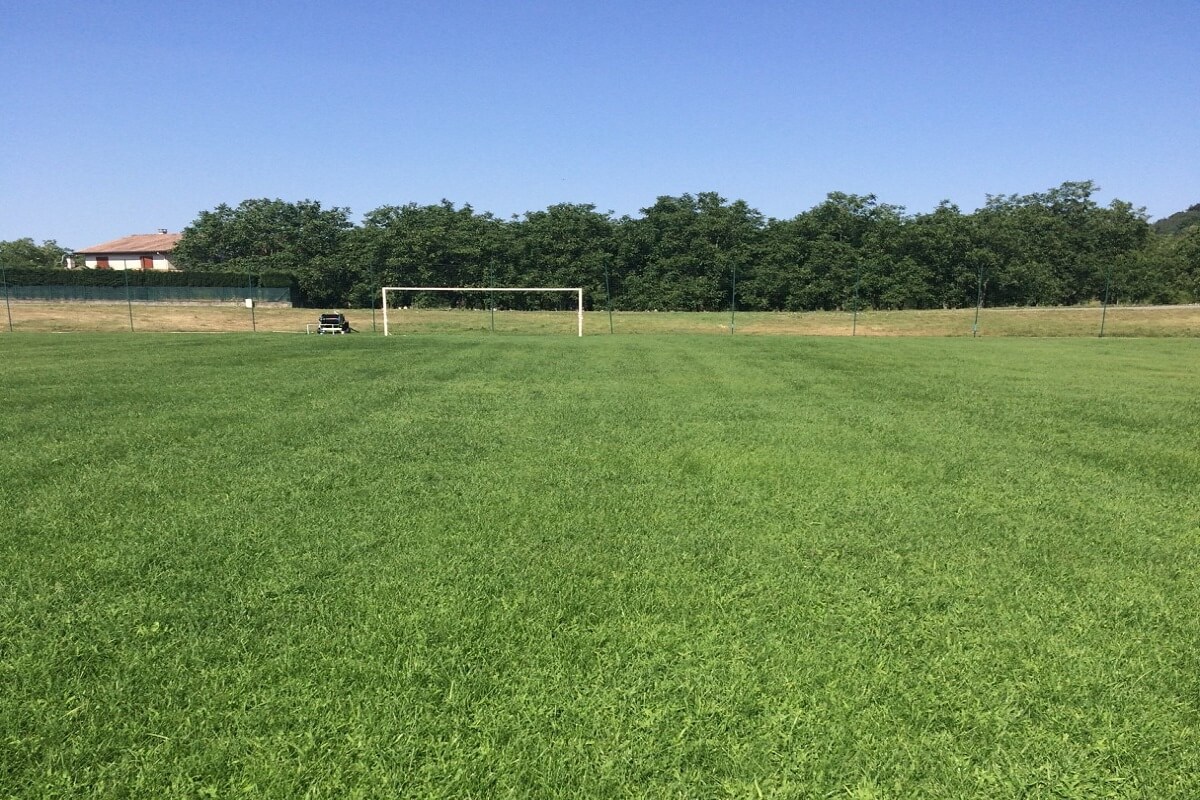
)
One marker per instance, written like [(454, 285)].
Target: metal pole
[(492, 295), (128, 302), (374, 281), (733, 298), (857, 279), (608, 297), (1104, 309), (7, 307), (978, 303), (250, 292)]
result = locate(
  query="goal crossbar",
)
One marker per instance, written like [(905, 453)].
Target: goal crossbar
[(494, 289)]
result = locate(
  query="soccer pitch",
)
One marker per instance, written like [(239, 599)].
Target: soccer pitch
[(666, 566)]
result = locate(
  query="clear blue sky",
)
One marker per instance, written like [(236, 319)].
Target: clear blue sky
[(123, 116)]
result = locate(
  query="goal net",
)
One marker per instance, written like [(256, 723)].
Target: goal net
[(394, 304)]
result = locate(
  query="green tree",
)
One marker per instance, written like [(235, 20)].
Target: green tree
[(839, 247), (565, 245), (782, 274), (1057, 247), (432, 245), (262, 235), (1180, 222), (1187, 275), (26, 254), (1149, 274), (941, 242), (684, 251)]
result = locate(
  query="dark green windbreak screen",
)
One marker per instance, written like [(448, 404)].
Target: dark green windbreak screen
[(159, 294)]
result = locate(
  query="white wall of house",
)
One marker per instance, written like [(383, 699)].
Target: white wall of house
[(128, 261)]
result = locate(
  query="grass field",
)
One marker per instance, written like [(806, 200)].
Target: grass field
[(1139, 321), (652, 566)]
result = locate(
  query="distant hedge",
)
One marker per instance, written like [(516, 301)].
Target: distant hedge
[(140, 277)]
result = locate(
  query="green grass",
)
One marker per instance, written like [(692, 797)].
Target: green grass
[(664, 566)]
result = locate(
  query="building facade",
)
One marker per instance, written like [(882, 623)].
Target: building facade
[(139, 251)]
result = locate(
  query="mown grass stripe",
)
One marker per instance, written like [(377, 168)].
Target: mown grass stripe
[(610, 567)]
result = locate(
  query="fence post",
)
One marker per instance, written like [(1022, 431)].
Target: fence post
[(7, 307), (608, 296), (857, 280), (733, 297), (978, 303), (374, 288), (250, 302), (128, 302), (1104, 309), (491, 282)]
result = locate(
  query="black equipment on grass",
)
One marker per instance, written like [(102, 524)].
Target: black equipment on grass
[(334, 323)]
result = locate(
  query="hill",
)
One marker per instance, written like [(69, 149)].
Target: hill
[(1178, 222)]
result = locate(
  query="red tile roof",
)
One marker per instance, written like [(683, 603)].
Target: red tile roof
[(137, 243)]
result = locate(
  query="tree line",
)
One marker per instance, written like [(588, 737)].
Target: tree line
[(701, 252)]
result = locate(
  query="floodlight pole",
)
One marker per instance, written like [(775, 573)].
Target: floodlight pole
[(7, 307)]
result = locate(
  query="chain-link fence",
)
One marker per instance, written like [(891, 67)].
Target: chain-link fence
[(183, 313)]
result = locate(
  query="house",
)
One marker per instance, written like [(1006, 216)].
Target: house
[(139, 251)]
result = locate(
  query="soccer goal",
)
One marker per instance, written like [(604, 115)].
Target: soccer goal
[(494, 290)]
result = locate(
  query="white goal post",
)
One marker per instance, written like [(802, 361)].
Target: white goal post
[(577, 290)]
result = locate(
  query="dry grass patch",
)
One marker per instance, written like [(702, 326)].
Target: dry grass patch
[(1140, 321)]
